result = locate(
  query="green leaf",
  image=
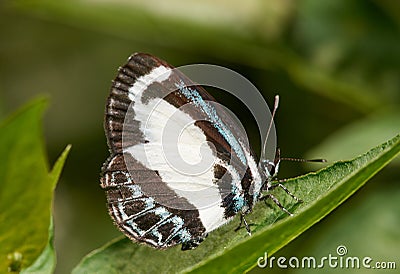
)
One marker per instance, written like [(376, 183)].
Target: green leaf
[(368, 225), (26, 189), (226, 251), (46, 262)]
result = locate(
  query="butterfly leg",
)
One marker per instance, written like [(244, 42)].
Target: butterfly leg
[(273, 186), (275, 200), (193, 243), (246, 225)]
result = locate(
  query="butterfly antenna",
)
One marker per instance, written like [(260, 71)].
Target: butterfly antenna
[(276, 104), (304, 160)]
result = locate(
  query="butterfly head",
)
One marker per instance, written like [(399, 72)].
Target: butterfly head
[(269, 169)]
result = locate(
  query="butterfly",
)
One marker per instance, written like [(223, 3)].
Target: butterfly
[(179, 166)]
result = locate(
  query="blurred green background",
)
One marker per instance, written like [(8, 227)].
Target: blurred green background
[(335, 64)]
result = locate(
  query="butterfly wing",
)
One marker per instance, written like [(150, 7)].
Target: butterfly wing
[(179, 166)]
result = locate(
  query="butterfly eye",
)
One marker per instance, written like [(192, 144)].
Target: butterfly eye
[(272, 169), (268, 168)]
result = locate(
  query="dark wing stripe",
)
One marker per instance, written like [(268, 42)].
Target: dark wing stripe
[(120, 86), (118, 105), (134, 216)]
